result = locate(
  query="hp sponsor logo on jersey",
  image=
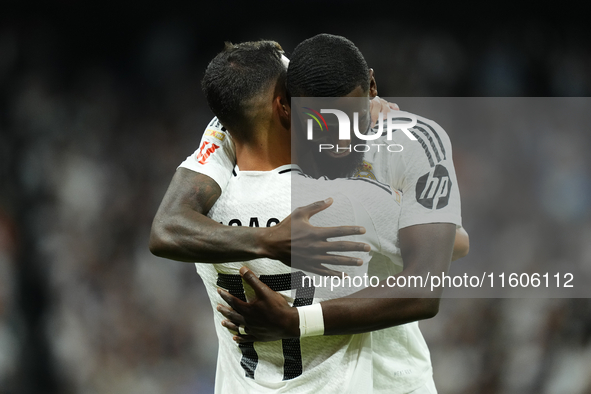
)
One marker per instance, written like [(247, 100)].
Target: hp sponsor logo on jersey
[(433, 189)]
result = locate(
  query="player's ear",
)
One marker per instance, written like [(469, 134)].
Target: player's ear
[(281, 102), (286, 107), (373, 87), (283, 107)]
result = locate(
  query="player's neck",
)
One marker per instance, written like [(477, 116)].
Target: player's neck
[(269, 149)]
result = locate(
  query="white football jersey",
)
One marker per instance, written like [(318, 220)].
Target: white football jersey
[(330, 364), (423, 171)]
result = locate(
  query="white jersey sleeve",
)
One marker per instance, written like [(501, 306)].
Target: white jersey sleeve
[(216, 155), (424, 172)]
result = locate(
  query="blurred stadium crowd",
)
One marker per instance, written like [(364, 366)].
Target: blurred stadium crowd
[(91, 133)]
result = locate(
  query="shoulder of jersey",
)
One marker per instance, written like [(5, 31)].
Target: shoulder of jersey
[(430, 137), (421, 123), (216, 130)]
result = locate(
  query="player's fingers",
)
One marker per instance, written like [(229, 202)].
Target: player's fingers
[(333, 259), (233, 328), (312, 209), (260, 289), (329, 259), (224, 310), (340, 231), (343, 246), (375, 107), (234, 302), (394, 106), (321, 270), (244, 338), (381, 105), (231, 315)]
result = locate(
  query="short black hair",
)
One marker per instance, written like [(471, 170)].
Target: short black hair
[(239, 73), (326, 66)]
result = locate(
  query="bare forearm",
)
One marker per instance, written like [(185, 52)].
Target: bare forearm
[(385, 306), (269, 317), (378, 309), (182, 232), (425, 248), (194, 237)]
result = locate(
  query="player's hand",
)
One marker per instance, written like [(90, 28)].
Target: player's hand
[(377, 105), (266, 318), (295, 241)]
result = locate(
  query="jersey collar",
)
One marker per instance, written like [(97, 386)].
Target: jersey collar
[(284, 169), (288, 168)]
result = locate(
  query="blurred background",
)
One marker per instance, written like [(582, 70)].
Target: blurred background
[(99, 105)]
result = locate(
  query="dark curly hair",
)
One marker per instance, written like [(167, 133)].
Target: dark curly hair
[(326, 66), (239, 73)]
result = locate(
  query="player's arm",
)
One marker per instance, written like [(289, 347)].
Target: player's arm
[(462, 240), (425, 248), (429, 217), (426, 242), (181, 231)]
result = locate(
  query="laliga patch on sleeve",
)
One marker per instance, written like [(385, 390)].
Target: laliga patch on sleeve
[(216, 134)]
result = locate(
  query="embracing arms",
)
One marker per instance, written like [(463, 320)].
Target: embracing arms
[(181, 231), (379, 307), (425, 248)]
